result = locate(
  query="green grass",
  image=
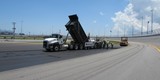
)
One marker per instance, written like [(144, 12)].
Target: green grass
[(22, 37), (114, 42)]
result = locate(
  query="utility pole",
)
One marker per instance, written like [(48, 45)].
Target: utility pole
[(59, 31), (110, 32), (132, 30), (118, 32), (147, 26), (0, 30), (151, 21), (142, 27), (124, 31), (105, 30), (105, 33), (14, 29), (52, 29), (29, 34), (21, 28)]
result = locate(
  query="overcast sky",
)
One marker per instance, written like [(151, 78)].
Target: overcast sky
[(97, 17)]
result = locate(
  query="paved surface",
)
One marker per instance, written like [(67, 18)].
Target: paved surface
[(154, 40), (135, 62), (14, 55)]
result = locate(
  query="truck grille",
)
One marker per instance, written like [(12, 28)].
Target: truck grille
[(45, 44)]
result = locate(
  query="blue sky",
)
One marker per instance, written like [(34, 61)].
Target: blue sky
[(47, 16)]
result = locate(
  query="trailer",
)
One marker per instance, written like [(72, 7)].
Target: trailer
[(79, 38)]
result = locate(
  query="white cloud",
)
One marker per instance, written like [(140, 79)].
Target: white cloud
[(101, 13), (132, 16)]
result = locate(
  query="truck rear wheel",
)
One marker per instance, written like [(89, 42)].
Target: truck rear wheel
[(80, 46), (95, 46), (70, 47), (76, 47)]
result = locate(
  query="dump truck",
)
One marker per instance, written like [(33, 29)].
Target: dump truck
[(124, 41), (79, 38)]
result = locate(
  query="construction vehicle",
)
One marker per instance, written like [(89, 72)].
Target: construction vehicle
[(124, 41), (79, 38), (54, 43)]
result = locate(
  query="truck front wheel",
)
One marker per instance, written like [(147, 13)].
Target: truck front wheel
[(56, 48), (48, 50)]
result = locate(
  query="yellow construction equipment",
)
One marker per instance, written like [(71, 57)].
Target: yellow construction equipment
[(124, 41)]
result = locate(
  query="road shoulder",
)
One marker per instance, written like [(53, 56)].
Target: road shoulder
[(156, 47)]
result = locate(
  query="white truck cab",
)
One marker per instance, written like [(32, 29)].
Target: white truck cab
[(54, 42)]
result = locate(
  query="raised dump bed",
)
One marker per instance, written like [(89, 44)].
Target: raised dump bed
[(76, 31)]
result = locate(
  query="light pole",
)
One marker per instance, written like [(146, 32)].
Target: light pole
[(110, 32), (52, 29), (124, 31), (118, 32), (142, 27), (21, 28), (151, 21), (0, 30), (29, 34), (147, 26), (105, 30), (132, 30), (14, 29)]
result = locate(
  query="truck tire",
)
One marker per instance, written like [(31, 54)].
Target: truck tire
[(95, 46), (70, 47), (80, 47), (76, 47), (56, 48), (48, 50)]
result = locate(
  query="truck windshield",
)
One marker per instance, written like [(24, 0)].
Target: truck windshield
[(56, 36), (124, 39)]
